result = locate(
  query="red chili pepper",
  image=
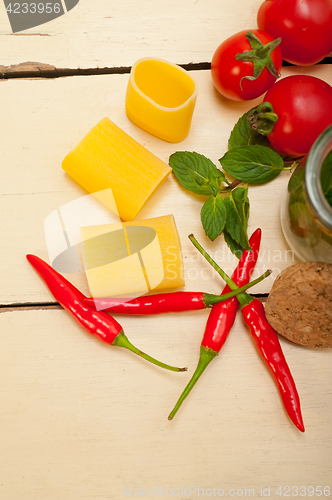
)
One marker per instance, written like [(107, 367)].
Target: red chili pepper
[(222, 317), (98, 323), (151, 304), (267, 343), (268, 346), (167, 302)]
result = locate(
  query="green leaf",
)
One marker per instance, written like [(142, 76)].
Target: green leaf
[(194, 171), (297, 179), (328, 196), (217, 178), (326, 178), (252, 164), (244, 135), (213, 216), (237, 208), (236, 249)]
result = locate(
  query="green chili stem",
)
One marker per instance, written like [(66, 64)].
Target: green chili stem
[(211, 299), (122, 341), (206, 356), (244, 298)]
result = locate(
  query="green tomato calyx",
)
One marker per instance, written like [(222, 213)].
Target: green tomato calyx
[(259, 55), (262, 118)]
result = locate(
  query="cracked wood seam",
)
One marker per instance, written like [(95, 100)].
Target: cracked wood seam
[(31, 69), (34, 70)]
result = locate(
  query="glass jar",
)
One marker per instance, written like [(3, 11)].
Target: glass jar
[(306, 215)]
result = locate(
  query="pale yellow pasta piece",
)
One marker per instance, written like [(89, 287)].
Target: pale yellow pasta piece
[(106, 158), (132, 258)]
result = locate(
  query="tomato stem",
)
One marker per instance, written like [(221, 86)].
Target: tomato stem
[(262, 118), (259, 55)]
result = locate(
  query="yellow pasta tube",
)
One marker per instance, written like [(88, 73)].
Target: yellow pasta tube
[(106, 158), (132, 258), (161, 98)]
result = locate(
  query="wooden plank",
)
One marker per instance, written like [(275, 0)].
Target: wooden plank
[(43, 120), (114, 34), (81, 419)]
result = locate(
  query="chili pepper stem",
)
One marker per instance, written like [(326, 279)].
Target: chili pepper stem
[(122, 341), (243, 297), (206, 356), (210, 299)]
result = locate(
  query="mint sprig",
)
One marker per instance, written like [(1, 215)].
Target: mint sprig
[(249, 160), (227, 206)]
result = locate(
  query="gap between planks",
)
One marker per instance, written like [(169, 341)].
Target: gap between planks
[(41, 70), (35, 70), (28, 306)]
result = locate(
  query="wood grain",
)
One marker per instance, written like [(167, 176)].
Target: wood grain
[(17, 70), (83, 420), (43, 120), (114, 34), (80, 419)]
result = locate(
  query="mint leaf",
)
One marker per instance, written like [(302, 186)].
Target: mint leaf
[(328, 196), (198, 174), (235, 248), (244, 135), (326, 178), (218, 176), (297, 179), (237, 208), (213, 216), (252, 164), (194, 171)]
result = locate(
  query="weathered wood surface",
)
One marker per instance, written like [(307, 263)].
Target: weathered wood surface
[(82, 420), (42, 120), (115, 34)]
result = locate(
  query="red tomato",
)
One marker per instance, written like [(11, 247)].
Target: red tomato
[(304, 108), (228, 73), (305, 28)]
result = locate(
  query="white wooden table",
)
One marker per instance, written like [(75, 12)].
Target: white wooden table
[(82, 420)]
